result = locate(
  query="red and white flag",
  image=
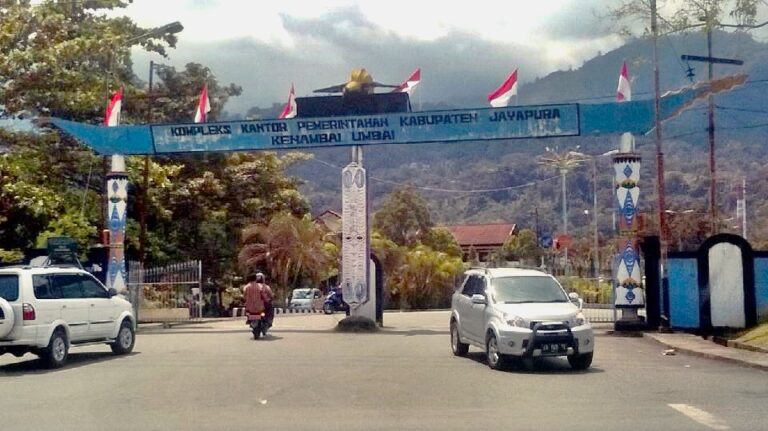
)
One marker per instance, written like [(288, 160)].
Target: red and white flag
[(112, 115), (290, 108), (203, 106), (624, 92), (410, 83), (503, 94)]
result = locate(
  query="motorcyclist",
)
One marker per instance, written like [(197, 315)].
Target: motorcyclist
[(258, 297)]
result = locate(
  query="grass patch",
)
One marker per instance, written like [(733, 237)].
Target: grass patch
[(757, 336)]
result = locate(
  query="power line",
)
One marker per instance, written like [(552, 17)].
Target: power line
[(437, 189)]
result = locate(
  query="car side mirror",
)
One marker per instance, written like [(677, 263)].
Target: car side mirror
[(574, 297), (112, 292), (478, 299)]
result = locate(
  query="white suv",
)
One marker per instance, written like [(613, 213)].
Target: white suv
[(45, 310), (519, 313)]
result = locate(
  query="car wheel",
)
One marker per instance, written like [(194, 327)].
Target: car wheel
[(55, 355), (327, 308), (580, 362), (458, 348), (126, 339), (496, 360), (6, 318)]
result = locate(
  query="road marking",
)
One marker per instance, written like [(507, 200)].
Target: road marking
[(703, 417)]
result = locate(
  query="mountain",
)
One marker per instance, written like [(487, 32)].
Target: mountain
[(502, 181)]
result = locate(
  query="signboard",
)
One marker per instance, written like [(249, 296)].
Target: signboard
[(62, 250), (460, 125), (563, 241), (545, 241), (711, 59), (354, 230)]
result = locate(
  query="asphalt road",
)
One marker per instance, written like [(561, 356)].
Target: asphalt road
[(307, 377)]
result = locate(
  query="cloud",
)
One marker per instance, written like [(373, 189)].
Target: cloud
[(459, 68)]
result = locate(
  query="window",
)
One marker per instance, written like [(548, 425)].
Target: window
[(516, 290), (474, 285), (9, 287), (92, 288), (68, 285), (43, 287)]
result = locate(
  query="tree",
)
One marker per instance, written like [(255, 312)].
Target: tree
[(175, 97), (687, 15), (441, 239), (404, 217), (289, 248), (426, 278), (56, 57), (522, 246)]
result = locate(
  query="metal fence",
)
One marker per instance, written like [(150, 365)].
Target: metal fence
[(170, 293)]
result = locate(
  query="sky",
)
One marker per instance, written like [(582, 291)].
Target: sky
[(464, 49)]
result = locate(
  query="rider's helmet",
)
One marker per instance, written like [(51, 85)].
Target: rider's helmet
[(260, 277)]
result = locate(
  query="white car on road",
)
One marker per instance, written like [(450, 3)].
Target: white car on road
[(518, 313), (46, 310)]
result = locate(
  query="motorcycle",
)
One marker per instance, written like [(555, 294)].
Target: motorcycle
[(258, 323), (335, 302)]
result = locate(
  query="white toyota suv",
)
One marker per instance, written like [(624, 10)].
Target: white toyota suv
[(518, 313), (46, 310)]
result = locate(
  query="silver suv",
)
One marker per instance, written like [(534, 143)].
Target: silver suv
[(519, 313), (46, 310)]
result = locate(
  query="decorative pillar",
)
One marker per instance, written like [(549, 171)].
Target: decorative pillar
[(117, 200), (629, 294)]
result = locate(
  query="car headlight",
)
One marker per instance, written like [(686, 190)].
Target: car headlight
[(516, 321), (579, 319)]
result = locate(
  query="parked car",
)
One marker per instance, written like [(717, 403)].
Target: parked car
[(47, 310), (514, 313), (306, 299)]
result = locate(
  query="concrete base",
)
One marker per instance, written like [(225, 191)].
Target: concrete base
[(357, 324), (624, 325)]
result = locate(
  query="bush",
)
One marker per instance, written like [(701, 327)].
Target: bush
[(587, 289)]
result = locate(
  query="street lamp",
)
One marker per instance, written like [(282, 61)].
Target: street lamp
[(170, 28), (596, 244), (563, 162)]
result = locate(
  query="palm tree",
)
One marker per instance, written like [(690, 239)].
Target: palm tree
[(426, 277), (289, 248)]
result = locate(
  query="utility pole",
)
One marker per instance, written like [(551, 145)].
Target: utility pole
[(563, 173), (744, 207), (711, 133), (661, 206), (145, 180), (596, 263)]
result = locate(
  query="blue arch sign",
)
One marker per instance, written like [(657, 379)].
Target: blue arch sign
[(517, 122)]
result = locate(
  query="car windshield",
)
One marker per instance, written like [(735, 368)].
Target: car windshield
[(522, 289), (9, 287), (301, 294)]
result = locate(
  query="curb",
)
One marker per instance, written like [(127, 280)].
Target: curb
[(744, 346), (707, 355)]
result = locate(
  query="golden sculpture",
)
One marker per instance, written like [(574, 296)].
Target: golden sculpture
[(360, 82)]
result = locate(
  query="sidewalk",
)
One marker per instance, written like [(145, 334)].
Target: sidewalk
[(698, 346)]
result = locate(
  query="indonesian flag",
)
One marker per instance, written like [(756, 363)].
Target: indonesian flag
[(112, 115), (503, 94), (203, 106), (290, 108), (624, 92), (410, 83)]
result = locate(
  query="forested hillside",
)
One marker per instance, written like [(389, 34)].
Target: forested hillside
[(495, 181)]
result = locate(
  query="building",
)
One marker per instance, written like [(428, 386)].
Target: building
[(331, 220), (483, 238)]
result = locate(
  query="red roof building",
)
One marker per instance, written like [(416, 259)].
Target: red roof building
[(483, 238)]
